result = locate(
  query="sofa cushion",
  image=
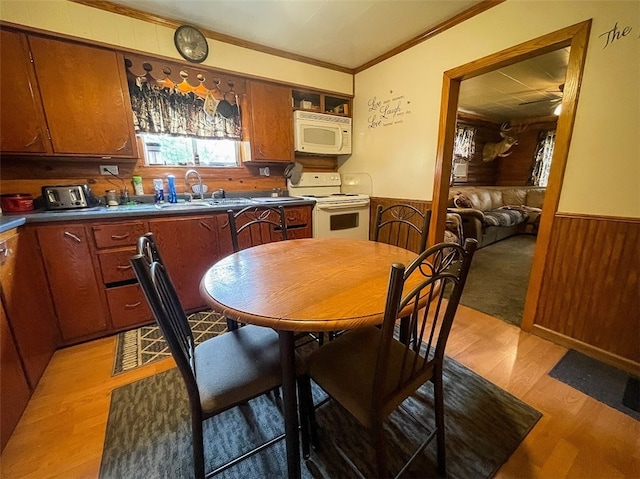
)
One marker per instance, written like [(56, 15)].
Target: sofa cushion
[(503, 217), (535, 197), (514, 196)]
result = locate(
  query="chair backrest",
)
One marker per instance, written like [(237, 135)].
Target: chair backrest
[(255, 225), (171, 319), (148, 248), (402, 225), (430, 306)]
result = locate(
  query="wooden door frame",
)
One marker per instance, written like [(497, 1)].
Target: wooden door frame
[(576, 37)]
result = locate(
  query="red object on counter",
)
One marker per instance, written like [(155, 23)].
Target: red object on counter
[(17, 202)]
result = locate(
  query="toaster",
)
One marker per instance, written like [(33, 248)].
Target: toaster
[(66, 197)]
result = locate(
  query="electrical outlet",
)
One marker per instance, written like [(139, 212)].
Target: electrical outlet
[(108, 169), (264, 171)]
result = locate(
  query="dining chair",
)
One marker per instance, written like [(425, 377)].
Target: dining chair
[(370, 372), (212, 386), (402, 225), (255, 225), (252, 226), (405, 226)]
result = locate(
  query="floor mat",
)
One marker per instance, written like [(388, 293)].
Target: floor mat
[(607, 384), (144, 345)]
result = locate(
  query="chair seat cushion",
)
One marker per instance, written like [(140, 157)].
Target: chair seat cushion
[(236, 366), (354, 355)]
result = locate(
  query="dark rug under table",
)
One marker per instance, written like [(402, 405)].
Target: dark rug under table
[(148, 432)]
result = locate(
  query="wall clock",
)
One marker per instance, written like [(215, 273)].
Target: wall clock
[(191, 44)]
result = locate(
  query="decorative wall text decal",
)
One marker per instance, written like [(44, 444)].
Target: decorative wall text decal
[(387, 112), (615, 34)]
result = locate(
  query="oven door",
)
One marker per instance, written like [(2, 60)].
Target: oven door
[(342, 220)]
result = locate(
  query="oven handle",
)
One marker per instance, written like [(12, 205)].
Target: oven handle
[(342, 206)]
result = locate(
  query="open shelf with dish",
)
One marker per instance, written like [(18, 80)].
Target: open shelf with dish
[(310, 100)]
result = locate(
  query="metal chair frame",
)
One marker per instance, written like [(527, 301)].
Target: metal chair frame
[(257, 224), (396, 224), (172, 321), (401, 367)]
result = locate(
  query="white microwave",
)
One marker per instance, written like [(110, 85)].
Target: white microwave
[(321, 134)]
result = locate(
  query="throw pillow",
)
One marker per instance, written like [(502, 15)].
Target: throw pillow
[(461, 201)]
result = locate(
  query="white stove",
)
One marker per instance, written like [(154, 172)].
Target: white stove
[(336, 214)]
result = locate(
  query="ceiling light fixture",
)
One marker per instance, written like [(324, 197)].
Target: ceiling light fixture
[(557, 109)]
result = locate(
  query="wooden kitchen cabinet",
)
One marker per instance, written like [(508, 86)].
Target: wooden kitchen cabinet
[(29, 308), (271, 129), (189, 246), (79, 302), (24, 129), (73, 99), (14, 390), (115, 244)]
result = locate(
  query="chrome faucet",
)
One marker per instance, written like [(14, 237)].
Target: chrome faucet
[(199, 178)]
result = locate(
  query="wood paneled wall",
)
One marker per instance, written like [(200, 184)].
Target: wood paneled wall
[(385, 202), (512, 170), (591, 285)]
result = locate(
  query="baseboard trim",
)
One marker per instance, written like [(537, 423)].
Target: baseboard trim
[(619, 362)]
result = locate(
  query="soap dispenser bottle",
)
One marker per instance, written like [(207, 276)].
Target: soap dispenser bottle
[(173, 196)]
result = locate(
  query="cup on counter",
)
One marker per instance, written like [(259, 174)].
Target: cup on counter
[(112, 198)]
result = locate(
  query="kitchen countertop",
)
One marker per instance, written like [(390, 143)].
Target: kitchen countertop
[(9, 221)]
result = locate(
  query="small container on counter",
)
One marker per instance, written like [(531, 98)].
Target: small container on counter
[(173, 196), (112, 198), (158, 188), (17, 202), (137, 185)]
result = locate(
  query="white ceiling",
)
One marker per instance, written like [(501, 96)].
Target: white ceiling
[(350, 33)]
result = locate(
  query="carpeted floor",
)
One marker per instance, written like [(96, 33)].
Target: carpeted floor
[(148, 432), (603, 382), (499, 277), (140, 346)]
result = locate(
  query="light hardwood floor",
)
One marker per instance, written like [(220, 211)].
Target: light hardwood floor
[(61, 433)]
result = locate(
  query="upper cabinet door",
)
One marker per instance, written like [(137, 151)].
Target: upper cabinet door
[(21, 116), (85, 98), (271, 122)]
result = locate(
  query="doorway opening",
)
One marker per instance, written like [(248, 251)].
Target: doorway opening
[(574, 37)]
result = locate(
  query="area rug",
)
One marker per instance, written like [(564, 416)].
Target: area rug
[(145, 345), (148, 432), (607, 384), (499, 277)]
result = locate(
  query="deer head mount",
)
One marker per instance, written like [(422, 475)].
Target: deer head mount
[(493, 150)]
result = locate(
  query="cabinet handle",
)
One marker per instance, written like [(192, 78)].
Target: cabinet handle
[(119, 237), (4, 253), (126, 142), (32, 142), (131, 306), (205, 225), (123, 266), (71, 235)]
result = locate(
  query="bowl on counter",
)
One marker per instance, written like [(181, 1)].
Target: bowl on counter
[(16, 202), (196, 189)]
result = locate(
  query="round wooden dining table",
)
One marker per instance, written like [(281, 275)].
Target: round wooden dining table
[(314, 284)]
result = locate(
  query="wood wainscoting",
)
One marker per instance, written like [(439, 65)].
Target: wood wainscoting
[(421, 205), (589, 299)]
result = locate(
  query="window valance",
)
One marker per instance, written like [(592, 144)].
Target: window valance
[(175, 100)]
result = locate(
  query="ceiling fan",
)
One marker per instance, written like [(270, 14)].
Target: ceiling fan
[(548, 100)]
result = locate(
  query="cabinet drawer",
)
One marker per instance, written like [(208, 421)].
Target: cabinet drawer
[(115, 265), (118, 234), (298, 216), (128, 307)]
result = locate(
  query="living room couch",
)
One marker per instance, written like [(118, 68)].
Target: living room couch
[(492, 213)]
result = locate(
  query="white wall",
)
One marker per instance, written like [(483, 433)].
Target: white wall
[(77, 20), (603, 169)]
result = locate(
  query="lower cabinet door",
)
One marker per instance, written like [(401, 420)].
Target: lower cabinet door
[(76, 292), (14, 390), (128, 307)]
